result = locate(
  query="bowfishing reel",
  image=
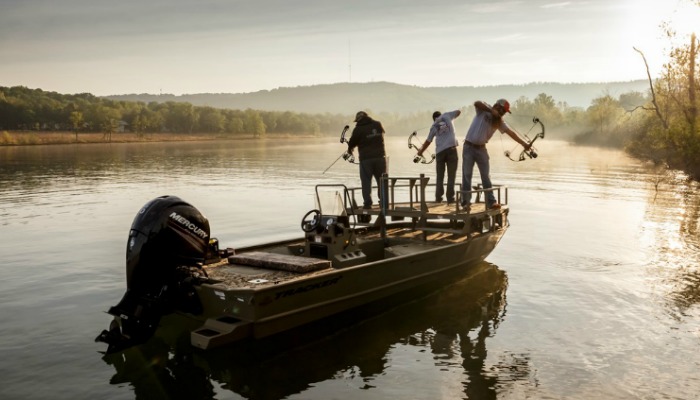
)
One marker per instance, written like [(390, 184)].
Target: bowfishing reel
[(532, 153), (420, 159), (349, 157)]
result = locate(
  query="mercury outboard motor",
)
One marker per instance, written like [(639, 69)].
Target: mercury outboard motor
[(167, 244)]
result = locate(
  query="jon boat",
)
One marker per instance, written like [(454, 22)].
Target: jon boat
[(348, 257)]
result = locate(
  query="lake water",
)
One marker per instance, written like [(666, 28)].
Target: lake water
[(594, 291)]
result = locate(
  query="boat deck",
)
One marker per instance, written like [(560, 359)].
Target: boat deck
[(404, 227), (233, 275), (428, 210)]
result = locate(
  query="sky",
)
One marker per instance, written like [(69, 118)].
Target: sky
[(240, 46)]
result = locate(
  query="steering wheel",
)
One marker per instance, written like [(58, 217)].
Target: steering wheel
[(310, 224)]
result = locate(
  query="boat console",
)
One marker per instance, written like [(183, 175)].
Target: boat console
[(330, 234)]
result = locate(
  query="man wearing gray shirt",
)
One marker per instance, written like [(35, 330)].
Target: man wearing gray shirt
[(484, 125), (443, 132)]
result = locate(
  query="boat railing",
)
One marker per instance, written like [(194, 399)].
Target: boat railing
[(415, 196), (406, 197), (500, 192)]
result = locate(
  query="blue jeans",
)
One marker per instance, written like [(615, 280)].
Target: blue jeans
[(446, 160), (480, 157), (373, 167)]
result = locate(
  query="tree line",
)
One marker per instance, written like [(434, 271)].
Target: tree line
[(666, 128), (24, 109)]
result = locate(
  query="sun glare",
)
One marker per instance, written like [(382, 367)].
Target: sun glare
[(641, 27), (685, 19), (683, 16)]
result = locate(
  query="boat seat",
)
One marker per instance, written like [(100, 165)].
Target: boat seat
[(283, 262)]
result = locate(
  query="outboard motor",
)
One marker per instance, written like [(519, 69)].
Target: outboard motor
[(167, 244)]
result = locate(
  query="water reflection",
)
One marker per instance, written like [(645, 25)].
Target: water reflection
[(603, 270), (453, 324), (687, 291), (691, 216), (672, 220)]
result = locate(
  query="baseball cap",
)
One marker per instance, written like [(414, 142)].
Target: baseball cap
[(436, 114), (505, 104), (360, 115)]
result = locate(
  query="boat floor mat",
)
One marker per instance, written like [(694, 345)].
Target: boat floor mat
[(279, 261)]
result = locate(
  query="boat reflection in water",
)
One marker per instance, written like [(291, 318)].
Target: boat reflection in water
[(460, 316)]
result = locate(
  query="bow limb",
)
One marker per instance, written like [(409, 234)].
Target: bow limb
[(342, 134), (540, 135), (347, 156)]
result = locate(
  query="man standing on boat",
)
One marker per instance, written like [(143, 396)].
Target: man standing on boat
[(443, 132), (368, 137), (483, 126)]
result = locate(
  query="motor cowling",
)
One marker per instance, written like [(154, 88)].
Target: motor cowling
[(166, 233), (167, 244)]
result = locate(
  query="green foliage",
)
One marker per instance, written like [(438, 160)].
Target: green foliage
[(605, 122), (670, 134), (33, 109), (210, 120), (76, 119), (561, 120), (6, 139)]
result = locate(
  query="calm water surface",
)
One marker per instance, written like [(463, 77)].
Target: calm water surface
[(594, 291)]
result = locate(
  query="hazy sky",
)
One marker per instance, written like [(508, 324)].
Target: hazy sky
[(233, 46)]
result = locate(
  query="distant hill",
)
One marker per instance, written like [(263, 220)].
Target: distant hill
[(344, 98)]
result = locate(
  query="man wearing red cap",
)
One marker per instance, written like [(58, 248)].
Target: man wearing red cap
[(485, 123)]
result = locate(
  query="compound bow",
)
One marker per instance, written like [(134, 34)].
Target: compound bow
[(418, 158), (532, 151), (345, 156)]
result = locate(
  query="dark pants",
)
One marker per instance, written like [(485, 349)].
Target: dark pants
[(479, 156), (373, 167), (446, 160)]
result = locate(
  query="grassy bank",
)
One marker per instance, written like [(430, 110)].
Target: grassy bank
[(15, 138)]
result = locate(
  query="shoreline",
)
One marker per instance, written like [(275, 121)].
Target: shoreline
[(42, 138)]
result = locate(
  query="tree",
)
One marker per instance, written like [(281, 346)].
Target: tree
[(632, 100), (546, 109), (210, 120), (181, 117), (603, 113), (109, 122), (673, 137), (254, 123), (76, 118)]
